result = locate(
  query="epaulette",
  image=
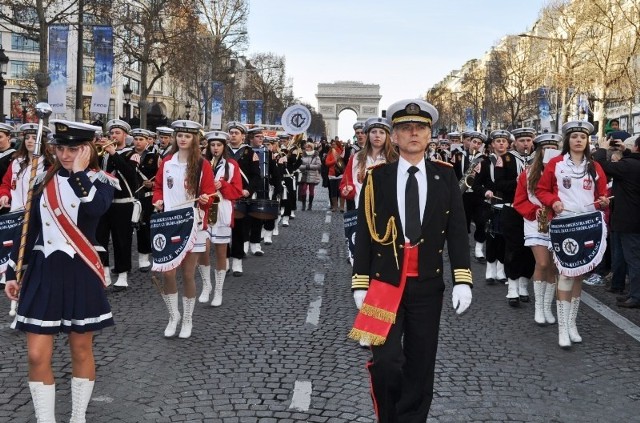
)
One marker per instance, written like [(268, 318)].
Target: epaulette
[(106, 178), (441, 163), (371, 168)]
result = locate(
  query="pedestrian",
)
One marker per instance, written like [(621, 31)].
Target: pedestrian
[(62, 290), (6, 153), (228, 183), (310, 175), (572, 182), (397, 278), (183, 176), (335, 168), (536, 226)]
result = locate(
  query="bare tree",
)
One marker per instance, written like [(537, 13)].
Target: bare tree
[(267, 76)]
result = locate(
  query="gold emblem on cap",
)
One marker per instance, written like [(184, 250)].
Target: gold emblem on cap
[(61, 127), (412, 109)]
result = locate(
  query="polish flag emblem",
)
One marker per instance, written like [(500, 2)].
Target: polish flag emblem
[(589, 244), (8, 243), (175, 239)]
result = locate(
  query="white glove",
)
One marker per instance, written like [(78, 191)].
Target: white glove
[(461, 297), (488, 195), (358, 297)]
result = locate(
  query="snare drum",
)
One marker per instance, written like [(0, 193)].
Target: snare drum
[(495, 222), (263, 209), (240, 208)]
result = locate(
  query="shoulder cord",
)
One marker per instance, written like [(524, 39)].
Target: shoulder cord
[(391, 232)]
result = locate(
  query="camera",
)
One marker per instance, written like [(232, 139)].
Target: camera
[(612, 143)]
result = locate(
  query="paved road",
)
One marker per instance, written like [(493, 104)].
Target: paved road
[(276, 351)]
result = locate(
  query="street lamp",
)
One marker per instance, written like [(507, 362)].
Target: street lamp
[(4, 60), (188, 109), (126, 91), (25, 103), (200, 115)]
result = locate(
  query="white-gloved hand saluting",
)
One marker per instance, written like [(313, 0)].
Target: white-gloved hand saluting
[(358, 297), (461, 297)]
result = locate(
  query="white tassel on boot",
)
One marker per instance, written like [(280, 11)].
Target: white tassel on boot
[(171, 300), (573, 313), (44, 401), (523, 290), (549, 295), (512, 293), (188, 304), (81, 390), (217, 293), (491, 272), (563, 323), (502, 277), (539, 290), (205, 274)]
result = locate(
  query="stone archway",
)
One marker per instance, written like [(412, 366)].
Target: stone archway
[(333, 98)]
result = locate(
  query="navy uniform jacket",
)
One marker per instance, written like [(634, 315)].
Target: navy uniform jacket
[(119, 166), (506, 177), (250, 166), (443, 220)]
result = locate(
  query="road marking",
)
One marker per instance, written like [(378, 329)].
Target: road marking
[(623, 323), (301, 396), (327, 219), (325, 237), (313, 313), (318, 278)]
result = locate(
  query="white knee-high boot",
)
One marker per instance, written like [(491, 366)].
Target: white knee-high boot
[(549, 295), (205, 274), (81, 390), (563, 323), (539, 288), (217, 293), (171, 300), (44, 401), (188, 304), (573, 329)]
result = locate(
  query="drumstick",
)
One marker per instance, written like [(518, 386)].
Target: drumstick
[(497, 198), (184, 203), (142, 186), (595, 202)]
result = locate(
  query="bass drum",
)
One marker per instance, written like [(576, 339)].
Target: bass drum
[(240, 208), (264, 209)]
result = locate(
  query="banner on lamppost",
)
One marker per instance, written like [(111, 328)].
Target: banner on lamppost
[(103, 47), (217, 90), (583, 107), (544, 111), (244, 111), (258, 112), (57, 90), (468, 119), (484, 118)]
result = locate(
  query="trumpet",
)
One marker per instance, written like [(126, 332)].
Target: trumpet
[(100, 148)]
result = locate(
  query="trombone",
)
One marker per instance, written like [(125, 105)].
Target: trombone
[(100, 148)]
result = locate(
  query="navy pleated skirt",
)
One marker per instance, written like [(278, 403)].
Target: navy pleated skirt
[(61, 294)]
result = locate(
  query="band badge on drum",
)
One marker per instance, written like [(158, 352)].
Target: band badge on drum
[(170, 182), (566, 182), (587, 184)]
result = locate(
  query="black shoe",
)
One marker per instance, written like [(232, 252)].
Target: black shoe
[(118, 288), (237, 274), (630, 303), (145, 269), (481, 259), (622, 298), (491, 281), (503, 280), (615, 290), (514, 302), (524, 298)]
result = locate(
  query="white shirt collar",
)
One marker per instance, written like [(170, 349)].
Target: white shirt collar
[(403, 166)]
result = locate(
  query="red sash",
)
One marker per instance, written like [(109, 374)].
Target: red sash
[(70, 230)]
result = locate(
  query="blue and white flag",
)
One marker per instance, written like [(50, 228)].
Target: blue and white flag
[(217, 89), (244, 111), (103, 47), (544, 111), (258, 112), (57, 90), (173, 235)]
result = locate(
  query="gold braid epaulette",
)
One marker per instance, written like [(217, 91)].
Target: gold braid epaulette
[(391, 233)]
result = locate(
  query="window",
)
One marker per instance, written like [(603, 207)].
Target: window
[(22, 43), (22, 69), (133, 84)]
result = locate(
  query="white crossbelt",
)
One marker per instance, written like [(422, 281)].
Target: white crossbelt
[(122, 200)]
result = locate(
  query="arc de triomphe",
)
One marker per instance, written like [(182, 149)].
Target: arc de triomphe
[(364, 99)]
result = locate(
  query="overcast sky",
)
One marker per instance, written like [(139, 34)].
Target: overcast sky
[(405, 46)]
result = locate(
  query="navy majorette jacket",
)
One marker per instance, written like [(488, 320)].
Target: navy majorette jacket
[(443, 220)]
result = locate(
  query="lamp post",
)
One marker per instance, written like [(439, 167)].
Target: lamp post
[(126, 91), (200, 116), (25, 103), (4, 60), (188, 109)]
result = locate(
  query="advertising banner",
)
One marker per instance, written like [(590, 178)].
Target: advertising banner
[(244, 111), (217, 88), (103, 47), (57, 90)]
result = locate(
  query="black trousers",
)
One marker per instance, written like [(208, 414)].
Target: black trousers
[(475, 210), (402, 369), (239, 232), (116, 223), (518, 259), (143, 232), (255, 229), (495, 241)]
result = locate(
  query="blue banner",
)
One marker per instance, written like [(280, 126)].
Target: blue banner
[(484, 119), (244, 110), (544, 111), (57, 90), (103, 47), (258, 112), (583, 107), (468, 119), (278, 120), (217, 90)]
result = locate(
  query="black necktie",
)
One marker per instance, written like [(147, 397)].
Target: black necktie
[(412, 207)]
